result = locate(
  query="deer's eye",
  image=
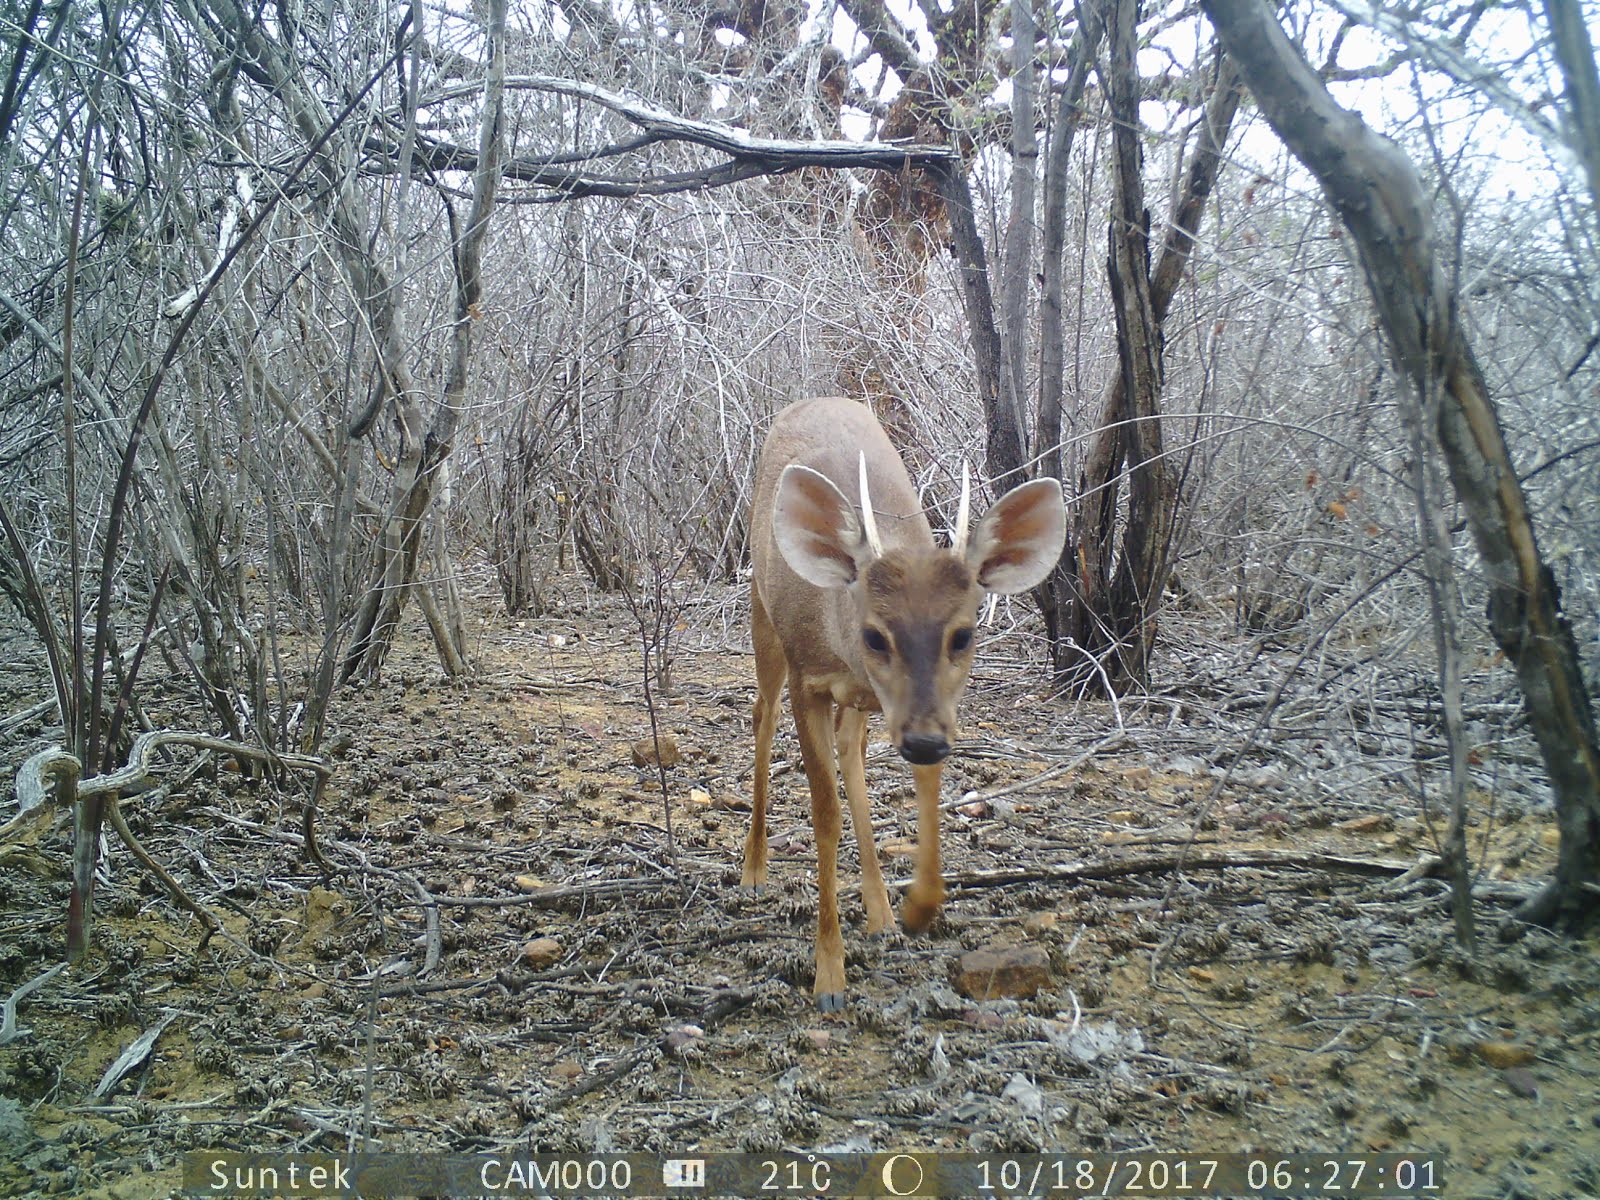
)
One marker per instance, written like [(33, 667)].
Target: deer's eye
[(960, 640), (874, 640)]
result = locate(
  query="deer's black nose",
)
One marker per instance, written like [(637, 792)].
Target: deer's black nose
[(924, 749)]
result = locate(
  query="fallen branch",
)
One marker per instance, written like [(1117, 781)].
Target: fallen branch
[(559, 894), (174, 888), (49, 774), (1160, 864), (137, 1052), (10, 1031), (1105, 745), (56, 774)]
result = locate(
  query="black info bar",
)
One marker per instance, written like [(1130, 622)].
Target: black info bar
[(911, 1174)]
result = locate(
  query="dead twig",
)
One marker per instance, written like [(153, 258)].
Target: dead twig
[(10, 1031), (1105, 745), (174, 888)]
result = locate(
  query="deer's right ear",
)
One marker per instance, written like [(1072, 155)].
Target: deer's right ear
[(817, 530)]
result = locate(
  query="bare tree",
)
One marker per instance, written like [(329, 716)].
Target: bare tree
[(1377, 194)]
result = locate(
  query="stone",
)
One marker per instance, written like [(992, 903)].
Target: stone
[(645, 751), (542, 952), (994, 971), (820, 1039), (1505, 1055), (1521, 1081)]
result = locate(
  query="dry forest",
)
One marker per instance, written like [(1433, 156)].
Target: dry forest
[(381, 387)]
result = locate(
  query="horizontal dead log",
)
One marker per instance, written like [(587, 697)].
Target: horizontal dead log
[(1159, 864)]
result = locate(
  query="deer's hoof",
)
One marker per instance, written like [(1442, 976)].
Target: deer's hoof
[(752, 889), (918, 914), (830, 1002)]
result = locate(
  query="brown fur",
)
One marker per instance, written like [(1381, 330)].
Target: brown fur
[(812, 631)]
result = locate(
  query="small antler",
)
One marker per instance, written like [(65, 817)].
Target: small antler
[(869, 523), (958, 535)]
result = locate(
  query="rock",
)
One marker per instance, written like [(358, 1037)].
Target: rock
[(684, 1040), (1505, 1055), (1258, 777), (1521, 1081), (820, 1039), (941, 1001), (542, 952), (1087, 1041), (1025, 1095), (14, 1132), (991, 971), (1368, 824), (645, 751), (1040, 922)]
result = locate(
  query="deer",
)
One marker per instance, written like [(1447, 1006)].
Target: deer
[(859, 610)]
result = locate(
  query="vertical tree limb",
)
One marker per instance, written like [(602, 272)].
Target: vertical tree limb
[(1141, 569), (1052, 336), (424, 460), (1016, 267), (1575, 54), (1005, 456), (1108, 604)]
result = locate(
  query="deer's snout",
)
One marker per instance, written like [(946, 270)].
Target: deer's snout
[(924, 749)]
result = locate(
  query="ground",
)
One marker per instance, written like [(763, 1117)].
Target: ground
[(599, 985)]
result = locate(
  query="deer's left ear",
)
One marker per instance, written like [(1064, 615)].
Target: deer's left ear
[(1018, 542)]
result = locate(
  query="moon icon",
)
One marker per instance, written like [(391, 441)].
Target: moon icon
[(910, 1175)]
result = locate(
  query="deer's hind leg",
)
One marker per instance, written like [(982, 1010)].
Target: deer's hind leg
[(771, 668)]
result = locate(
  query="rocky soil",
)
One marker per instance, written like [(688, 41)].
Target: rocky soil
[(517, 946)]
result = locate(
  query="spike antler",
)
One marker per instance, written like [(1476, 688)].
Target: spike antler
[(869, 523), (958, 534)]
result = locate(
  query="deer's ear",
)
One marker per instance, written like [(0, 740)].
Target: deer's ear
[(817, 530), (1019, 540)]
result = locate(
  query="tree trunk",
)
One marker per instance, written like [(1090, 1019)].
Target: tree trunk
[(1141, 570), (424, 457), (1379, 197), (1055, 595), (1103, 622), (1058, 156), (1007, 463)]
